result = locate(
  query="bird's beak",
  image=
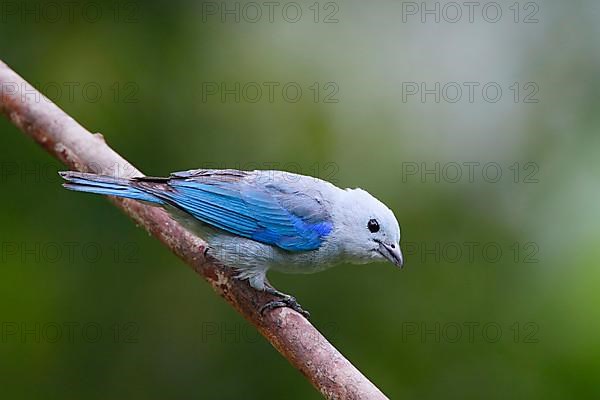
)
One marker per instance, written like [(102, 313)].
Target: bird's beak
[(393, 254)]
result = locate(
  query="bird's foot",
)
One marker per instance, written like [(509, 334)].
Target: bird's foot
[(285, 301)]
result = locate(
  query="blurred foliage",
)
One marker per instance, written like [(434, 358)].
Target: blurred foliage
[(164, 333)]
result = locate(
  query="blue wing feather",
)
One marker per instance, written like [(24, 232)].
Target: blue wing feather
[(271, 214)]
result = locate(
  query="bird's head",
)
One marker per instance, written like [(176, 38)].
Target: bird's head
[(368, 229)]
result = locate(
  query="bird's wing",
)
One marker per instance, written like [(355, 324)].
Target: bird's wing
[(271, 210)]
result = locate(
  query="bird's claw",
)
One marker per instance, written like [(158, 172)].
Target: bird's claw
[(285, 301)]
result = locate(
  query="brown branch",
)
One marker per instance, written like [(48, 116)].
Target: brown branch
[(290, 333)]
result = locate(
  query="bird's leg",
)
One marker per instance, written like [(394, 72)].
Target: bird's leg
[(285, 301)]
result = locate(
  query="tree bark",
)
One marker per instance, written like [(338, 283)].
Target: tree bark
[(289, 332)]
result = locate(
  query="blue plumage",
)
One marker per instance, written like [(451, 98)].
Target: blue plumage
[(90, 183), (254, 221), (236, 203)]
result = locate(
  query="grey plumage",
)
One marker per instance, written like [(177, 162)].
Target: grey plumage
[(260, 220)]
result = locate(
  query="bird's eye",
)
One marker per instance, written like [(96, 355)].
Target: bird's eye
[(373, 225)]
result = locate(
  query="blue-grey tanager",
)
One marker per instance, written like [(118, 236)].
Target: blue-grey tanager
[(260, 220)]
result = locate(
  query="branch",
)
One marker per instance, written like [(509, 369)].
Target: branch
[(290, 333)]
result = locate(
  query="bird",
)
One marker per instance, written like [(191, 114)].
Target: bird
[(261, 220)]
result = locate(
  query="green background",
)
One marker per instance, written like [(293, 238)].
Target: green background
[(145, 326)]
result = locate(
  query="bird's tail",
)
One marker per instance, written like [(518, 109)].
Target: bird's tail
[(107, 185)]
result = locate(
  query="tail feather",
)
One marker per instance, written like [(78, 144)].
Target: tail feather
[(106, 185)]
